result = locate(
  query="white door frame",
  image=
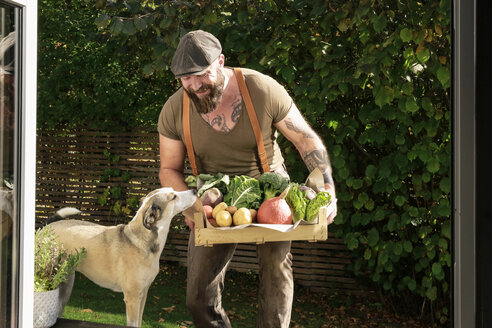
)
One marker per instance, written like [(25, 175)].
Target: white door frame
[(27, 167)]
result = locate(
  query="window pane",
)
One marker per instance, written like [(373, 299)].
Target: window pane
[(8, 111)]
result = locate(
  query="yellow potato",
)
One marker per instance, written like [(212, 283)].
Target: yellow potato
[(231, 209), (223, 219), (242, 216), (220, 207)]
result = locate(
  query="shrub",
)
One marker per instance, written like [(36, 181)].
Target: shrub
[(52, 263)]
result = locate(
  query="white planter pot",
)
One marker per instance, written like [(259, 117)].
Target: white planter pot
[(45, 308)]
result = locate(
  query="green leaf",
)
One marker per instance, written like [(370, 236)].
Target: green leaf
[(431, 293), (102, 21), (445, 185), (363, 197), (443, 244), (353, 243), (433, 165), (437, 270), (287, 73), (379, 22), (398, 249), (165, 22), (373, 237), (407, 88), (412, 284), (443, 75), (371, 171), (140, 24), (408, 246), (411, 105), (384, 95), (446, 229), (406, 35), (424, 154), (400, 200), (288, 18), (147, 69), (392, 224), (117, 26), (443, 209), (369, 205), (343, 25), (384, 171), (367, 254), (379, 215), (423, 56)]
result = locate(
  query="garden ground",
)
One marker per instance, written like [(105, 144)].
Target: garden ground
[(166, 307)]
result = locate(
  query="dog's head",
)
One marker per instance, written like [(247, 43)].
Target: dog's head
[(7, 201), (163, 204)]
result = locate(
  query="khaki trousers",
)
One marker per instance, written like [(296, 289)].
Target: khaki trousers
[(205, 282)]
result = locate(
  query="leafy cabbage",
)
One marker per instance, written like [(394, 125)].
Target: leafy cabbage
[(243, 191)]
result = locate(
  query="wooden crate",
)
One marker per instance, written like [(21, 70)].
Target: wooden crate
[(206, 235)]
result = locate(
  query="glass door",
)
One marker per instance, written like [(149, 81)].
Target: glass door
[(18, 48), (9, 115)]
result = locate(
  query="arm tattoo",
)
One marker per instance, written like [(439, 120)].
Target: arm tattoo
[(236, 109), (291, 126), (318, 158)]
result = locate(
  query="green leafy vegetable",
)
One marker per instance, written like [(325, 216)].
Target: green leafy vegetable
[(190, 181), (244, 191), (272, 184), (207, 177), (321, 199), (297, 202), (206, 181)]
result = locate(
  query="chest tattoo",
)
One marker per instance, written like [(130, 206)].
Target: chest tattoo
[(236, 110), (219, 123)]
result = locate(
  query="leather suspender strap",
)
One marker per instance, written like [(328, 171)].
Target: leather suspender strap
[(187, 132), (253, 119)]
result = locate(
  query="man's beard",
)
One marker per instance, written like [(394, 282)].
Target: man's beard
[(208, 103)]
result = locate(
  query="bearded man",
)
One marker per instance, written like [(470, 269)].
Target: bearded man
[(222, 140)]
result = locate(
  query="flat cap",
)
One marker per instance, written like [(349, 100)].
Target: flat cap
[(196, 51)]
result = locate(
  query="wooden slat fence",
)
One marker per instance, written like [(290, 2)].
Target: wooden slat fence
[(70, 168)]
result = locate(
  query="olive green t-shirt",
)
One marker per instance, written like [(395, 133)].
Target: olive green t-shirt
[(234, 152)]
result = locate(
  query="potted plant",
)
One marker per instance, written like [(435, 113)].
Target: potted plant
[(53, 264)]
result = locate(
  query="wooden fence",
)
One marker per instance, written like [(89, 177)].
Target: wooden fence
[(81, 168)]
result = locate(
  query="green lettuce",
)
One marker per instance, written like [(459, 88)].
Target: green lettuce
[(321, 199), (243, 191), (297, 202)]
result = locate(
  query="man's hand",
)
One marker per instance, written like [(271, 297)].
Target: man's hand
[(331, 190)]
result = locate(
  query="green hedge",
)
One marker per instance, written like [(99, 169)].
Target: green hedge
[(372, 77)]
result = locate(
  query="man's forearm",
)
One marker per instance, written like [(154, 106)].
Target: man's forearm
[(172, 178), (318, 158)]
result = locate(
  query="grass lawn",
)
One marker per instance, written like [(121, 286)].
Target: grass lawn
[(166, 305)]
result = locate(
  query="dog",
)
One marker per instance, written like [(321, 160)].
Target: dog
[(6, 212), (123, 258)]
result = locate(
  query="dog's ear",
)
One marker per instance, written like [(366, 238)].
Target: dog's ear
[(151, 215)]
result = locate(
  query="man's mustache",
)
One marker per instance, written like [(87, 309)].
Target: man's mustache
[(201, 89)]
